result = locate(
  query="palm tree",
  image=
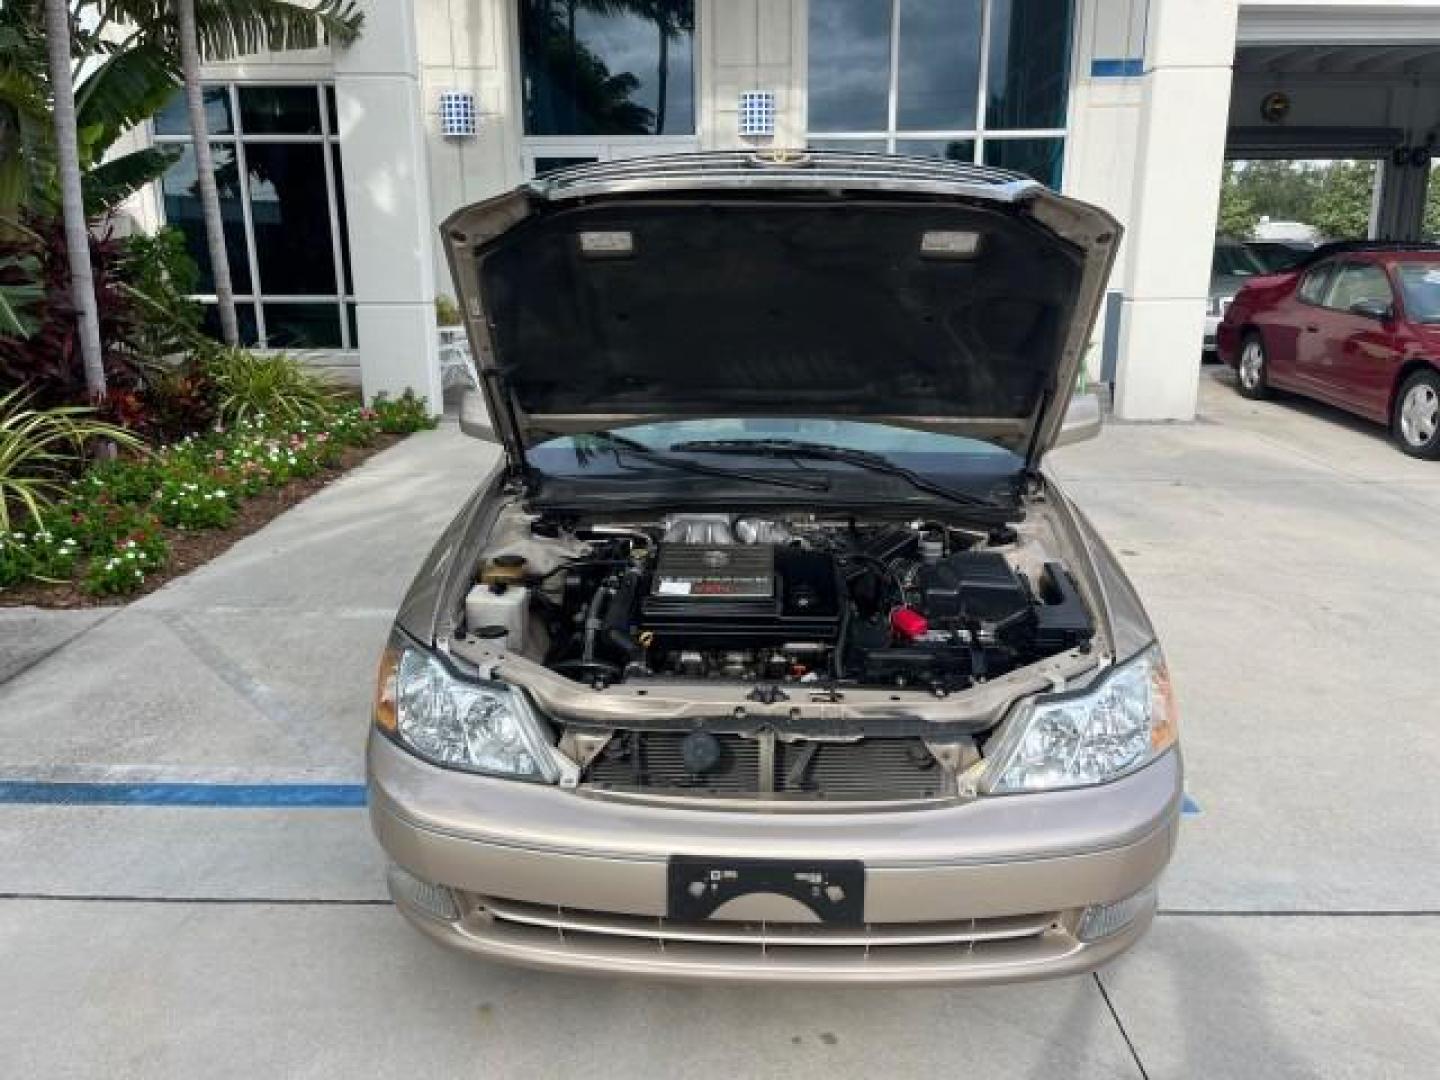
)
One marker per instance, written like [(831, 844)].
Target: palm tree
[(189, 42), (672, 19), (212, 30), (72, 200), (116, 84)]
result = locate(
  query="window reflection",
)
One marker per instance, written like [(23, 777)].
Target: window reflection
[(279, 110), (849, 65), (302, 326), (545, 165), (622, 68), (244, 317), (295, 290), (939, 64), (180, 191), (1040, 158), (1029, 63), (858, 146), (342, 219), (291, 216), (949, 149), (174, 119), (936, 102)]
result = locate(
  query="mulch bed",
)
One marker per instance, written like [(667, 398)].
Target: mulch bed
[(192, 548)]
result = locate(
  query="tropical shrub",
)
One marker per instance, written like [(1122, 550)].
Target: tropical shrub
[(48, 359), (107, 528), (20, 292), (123, 569), (41, 450), (271, 387), (199, 503), (101, 524), (160, 275), (129, 481), (403, 415), (39, 556), (354, 426), (447, 312)]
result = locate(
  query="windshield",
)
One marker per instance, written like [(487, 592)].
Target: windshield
[(1276, 258), (1233, 260), (1420, 284), (963, 462)]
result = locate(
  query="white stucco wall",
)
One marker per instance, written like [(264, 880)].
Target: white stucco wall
[(750, 45), (387, 196), (1179, 155), (1105, 98), (469, 45)]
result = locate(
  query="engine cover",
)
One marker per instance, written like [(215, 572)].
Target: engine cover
[(739, 596), (715, 572)]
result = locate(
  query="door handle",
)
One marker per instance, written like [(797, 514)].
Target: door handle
[(1311, 328)]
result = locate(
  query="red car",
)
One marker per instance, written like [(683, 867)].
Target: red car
[(1355, 325)]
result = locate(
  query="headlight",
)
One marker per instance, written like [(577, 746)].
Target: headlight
[(1088, 737), (477, 726)]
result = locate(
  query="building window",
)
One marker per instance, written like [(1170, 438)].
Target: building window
[(608, 69), (277, 168), (967, 80)]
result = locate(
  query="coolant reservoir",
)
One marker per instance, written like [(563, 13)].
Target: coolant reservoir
[(503, 570), (496, 606)]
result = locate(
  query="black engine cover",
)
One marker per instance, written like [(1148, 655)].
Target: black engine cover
[(740, 596)]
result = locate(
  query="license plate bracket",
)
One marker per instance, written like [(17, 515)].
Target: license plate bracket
[(834, 889)]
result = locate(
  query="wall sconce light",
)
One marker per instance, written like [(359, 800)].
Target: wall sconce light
[(458, 116), (757, 114)]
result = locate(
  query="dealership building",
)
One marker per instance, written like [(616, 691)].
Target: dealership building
[(336, 166)]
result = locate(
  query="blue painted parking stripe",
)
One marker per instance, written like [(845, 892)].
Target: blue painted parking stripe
[(82, 793), (99, 793)]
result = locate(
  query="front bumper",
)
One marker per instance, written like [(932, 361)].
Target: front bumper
[(1227, 343), (989, 891)]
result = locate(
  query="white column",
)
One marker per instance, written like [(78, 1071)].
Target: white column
[(392, 239), (1190, 50), (747, 45)]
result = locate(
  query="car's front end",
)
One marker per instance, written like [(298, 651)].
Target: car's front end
[(1233, 265), (1216, 305), (758, 668)]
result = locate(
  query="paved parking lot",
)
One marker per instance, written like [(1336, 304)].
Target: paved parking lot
[(1287, 553)]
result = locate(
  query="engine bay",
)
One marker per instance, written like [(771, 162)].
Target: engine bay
[(776, 600)]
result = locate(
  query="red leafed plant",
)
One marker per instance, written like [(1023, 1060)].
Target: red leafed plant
[(48, 362)]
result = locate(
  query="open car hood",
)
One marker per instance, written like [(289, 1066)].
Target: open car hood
[(925, 294)]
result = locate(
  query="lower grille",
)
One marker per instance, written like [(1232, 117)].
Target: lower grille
[(875, 769), (571, 923)]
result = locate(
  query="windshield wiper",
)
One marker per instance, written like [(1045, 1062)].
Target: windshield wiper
[(861, 459), (619, 444)]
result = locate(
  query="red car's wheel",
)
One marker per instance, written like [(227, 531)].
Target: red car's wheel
[(1417, 415), (1250, 369)]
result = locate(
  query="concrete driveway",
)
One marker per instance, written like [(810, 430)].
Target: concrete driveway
[(1286, 552)]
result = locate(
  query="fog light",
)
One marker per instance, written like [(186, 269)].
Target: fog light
[(434, 900), (1102, 920)]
